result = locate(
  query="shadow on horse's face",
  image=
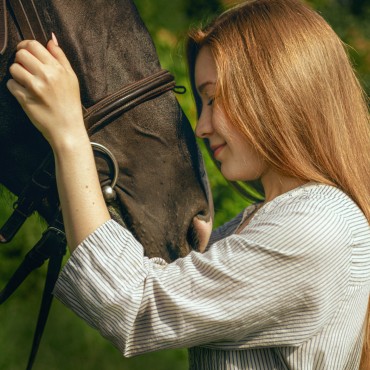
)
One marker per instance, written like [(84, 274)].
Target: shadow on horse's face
[(161, 184)]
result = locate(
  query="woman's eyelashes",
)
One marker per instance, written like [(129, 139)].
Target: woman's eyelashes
[(210, 101)]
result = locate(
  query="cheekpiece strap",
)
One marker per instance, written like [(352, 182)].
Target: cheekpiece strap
[(28, 20), (3, 27)]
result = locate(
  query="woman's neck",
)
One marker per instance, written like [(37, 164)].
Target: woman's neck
[(275, 184)]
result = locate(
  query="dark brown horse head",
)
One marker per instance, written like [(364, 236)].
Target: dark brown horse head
[(161, 184)]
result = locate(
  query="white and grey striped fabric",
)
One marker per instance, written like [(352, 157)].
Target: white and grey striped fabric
[(289, 292)]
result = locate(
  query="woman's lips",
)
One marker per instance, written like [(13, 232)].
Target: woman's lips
[(216, 149)]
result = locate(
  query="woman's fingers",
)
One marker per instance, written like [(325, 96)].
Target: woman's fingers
[(21, 75), (31, 51), (38, 68), (58, 53), (37, 50), (35, 59), (47, 89), (17, 90), (28, 61)]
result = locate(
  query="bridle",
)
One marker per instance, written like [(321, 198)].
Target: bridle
[(108, 190), (52, 245)]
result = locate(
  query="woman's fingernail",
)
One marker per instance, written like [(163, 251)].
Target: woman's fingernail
[(53, 37)]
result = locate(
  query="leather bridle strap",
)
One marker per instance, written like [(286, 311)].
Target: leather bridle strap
[(3, 27), (30, 198), (127, 98), (54, 243), (54, 266), (28, 20), (52, 247), (36, 257)]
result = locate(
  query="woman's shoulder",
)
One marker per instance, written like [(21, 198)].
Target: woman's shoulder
[(315, 196), (317, 204), (312, 207)]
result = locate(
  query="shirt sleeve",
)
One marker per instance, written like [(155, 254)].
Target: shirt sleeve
[(275, 284), (226, 229)]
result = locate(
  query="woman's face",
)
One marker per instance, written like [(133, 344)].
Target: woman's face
[(239, 160)]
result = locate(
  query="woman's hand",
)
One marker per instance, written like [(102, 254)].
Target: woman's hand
[(46, 87)]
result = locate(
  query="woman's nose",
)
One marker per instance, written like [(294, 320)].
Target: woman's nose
[(204, 125)]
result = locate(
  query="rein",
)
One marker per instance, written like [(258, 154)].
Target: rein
[(52, 245)]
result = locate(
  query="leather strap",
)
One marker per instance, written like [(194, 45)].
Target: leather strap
[(54, 266), (53, 242), (127, 98), (3, 27), (42, 180), (28, 20), (52, 246)]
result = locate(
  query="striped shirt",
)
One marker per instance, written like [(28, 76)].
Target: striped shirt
[(288, 292)]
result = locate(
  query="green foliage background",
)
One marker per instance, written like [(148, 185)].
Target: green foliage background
[(68, 342)]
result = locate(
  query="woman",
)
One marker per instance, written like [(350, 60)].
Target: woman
[(286, 284)]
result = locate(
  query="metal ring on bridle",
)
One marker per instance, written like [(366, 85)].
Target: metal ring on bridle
[(108, 190)]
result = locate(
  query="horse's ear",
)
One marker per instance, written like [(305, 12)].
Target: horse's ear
[(3, 27)]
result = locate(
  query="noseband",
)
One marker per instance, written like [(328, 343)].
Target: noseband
[(52, 245)]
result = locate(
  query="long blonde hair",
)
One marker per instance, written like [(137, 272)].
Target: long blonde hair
[(286, 83)]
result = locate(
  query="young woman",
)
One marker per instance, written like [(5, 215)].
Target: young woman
[(284, 285)]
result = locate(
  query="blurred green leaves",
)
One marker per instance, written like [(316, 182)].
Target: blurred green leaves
[(350, 20)]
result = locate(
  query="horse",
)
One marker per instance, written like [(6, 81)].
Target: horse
[(161, 183), (131, 115)]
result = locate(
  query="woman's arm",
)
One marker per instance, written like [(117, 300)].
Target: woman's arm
[(80, 194), (47, 89), (276, 284)]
